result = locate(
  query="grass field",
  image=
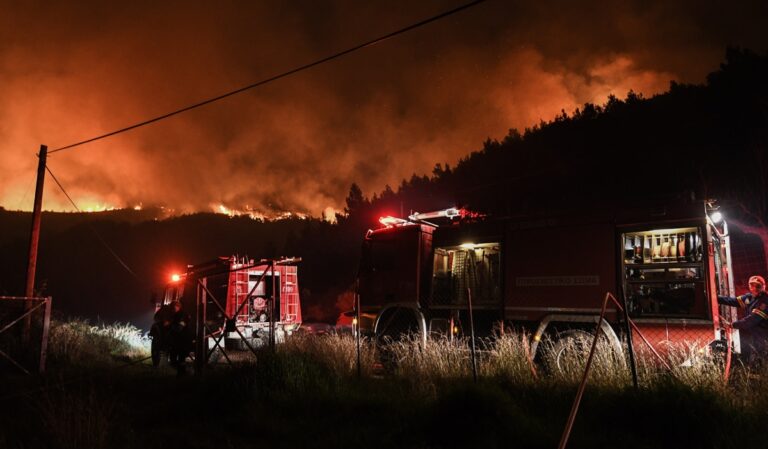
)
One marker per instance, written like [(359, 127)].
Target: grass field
[(308, 394)]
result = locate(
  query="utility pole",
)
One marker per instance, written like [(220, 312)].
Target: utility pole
[(36, 212), (34, 238)]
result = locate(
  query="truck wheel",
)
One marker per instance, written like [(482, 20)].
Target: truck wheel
[(397, 323), (569, 350)]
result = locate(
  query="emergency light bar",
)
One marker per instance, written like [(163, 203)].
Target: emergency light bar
[(446, 213), (450, 213), (390, 221)]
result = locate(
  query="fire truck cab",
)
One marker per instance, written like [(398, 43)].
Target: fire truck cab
[(240, 297), (549, 273)]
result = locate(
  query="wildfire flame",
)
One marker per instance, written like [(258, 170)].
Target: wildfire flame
[(97, 208), (256, 215)]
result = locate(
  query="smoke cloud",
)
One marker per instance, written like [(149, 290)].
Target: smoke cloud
[(73, 71)]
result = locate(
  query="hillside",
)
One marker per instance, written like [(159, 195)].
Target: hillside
[(708, 140), (77, 268)]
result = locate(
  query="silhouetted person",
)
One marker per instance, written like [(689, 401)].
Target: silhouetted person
[(180, 337), (160, 333)]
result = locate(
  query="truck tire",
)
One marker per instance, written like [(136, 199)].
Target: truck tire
[(396, 323), (568, 351)]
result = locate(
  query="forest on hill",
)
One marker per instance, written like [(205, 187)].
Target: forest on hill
[(710, 140), (703, 141)]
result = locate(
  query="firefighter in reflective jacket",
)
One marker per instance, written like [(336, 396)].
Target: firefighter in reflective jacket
[(753, 327)]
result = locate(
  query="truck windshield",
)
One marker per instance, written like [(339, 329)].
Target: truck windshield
[(388, 269), (387, 254)]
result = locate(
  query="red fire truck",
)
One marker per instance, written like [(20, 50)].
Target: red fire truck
[(242, 298), (549, 273)]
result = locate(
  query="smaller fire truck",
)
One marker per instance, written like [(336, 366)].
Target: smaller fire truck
[(549, 273), (246, 300)]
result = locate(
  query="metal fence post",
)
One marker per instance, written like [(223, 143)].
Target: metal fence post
[(356, 328), (201, 348), (630, 345), (272, 309), (472, 334), (46, 327)]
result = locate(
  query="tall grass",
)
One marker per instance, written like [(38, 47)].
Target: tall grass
[(410, 394), (337, 352), (427, 366), (526, 401), (79, 343)]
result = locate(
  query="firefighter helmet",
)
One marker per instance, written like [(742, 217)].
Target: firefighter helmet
[(757, 280)]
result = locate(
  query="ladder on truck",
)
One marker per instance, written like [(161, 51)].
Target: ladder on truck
[(290, 293), (239, 287)]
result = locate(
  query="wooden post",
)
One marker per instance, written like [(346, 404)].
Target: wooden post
[(34, 238), (36, 212)]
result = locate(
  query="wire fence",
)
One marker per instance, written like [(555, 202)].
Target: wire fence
[(24, 325)]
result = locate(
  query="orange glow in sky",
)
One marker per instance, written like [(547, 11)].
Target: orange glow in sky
[(71, 71)]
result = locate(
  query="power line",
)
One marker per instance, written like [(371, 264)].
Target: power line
[(276, 77), (101, 239)]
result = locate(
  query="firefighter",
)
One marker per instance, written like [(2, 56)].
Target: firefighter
[(753, 327), (180, 337), (160, 333)]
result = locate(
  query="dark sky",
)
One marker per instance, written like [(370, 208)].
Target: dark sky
[(73, 70)]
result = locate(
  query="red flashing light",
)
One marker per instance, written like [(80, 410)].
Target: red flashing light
[(175, 277)]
